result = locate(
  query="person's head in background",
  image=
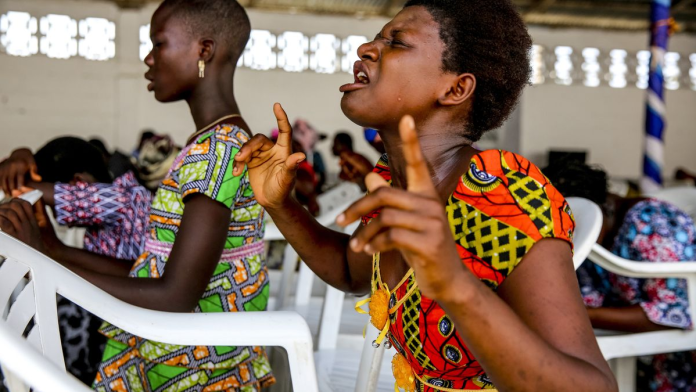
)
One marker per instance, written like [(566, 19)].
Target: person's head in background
[(188, 35), (306, 135), (144, 136), (99, 144), (577, 179), (70, 159), (373, 139), (342, 142)]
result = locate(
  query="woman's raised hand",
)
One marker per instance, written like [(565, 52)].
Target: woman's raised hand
[(271, 166), (412, 221)]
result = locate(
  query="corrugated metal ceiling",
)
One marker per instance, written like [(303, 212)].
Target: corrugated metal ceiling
[(605, 14)]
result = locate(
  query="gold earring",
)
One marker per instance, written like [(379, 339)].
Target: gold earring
[(201, 69)]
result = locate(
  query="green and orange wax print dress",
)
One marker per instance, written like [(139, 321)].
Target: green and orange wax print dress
[(501, 207), (239, 283)]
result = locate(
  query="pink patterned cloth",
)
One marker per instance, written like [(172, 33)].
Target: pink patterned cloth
[(163, 249)]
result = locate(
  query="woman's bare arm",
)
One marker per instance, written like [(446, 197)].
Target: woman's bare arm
[(193, 259), (628, 319), (272, 168)]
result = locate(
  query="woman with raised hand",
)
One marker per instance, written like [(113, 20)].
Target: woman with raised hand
[(468, 254)]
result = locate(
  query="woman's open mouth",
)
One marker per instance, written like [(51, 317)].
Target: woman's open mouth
[(150, 78), (361, 78)]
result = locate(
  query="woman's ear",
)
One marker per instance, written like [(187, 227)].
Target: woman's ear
[(207, 49), (459, 91)]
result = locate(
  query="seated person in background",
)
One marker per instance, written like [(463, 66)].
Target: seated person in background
[(683, 174), (467, 254), (308, 137), (354, 166), (306, 183), (645, 230), (342, 142), (204, 250), (144, 136), (155, 156), (75, 183)]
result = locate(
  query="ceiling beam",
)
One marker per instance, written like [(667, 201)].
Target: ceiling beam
[(541, 6), (594, 22), (388, 6), (682, 6), (131, 3)]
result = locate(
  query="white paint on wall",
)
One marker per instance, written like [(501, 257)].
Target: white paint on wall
[(41, 98)]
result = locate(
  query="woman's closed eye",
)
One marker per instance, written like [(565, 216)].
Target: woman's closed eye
[(395, 42)]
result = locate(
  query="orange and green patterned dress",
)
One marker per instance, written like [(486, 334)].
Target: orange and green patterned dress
[(238, 284), (501, 207)]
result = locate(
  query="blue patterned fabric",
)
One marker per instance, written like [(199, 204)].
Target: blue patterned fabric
[(653, 231)]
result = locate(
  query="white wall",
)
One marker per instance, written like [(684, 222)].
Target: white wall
[(41, 98), (607, 122)]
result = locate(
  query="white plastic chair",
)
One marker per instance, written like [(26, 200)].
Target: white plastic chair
[(588, 225), (683, 197), (29, 368), (622, 348), (332, 203), (36, 280)]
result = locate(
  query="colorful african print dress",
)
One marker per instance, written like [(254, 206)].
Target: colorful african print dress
[(239, 283), (501, 207)]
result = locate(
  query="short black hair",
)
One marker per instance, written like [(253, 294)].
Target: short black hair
[(577, 179), (344, 139), (60, 159), (224, 19), (488, 39), (99, 144)]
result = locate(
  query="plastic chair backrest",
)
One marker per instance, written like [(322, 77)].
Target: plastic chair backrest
[(26, 368), (44, 279), (588, 224), (337, 196)]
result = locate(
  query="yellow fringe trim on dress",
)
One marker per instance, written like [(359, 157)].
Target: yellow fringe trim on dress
[(405, 378), (379, 308)]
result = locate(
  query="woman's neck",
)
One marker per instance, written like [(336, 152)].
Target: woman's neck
[(447, 151), (211, 101)]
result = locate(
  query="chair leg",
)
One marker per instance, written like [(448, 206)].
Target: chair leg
[(305, 280), (625, 372), (14, 383), (330, 321), (287, 272), (370, 362)]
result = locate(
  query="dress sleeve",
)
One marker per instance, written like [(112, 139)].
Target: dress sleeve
[(207, 168), (502, 207)]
